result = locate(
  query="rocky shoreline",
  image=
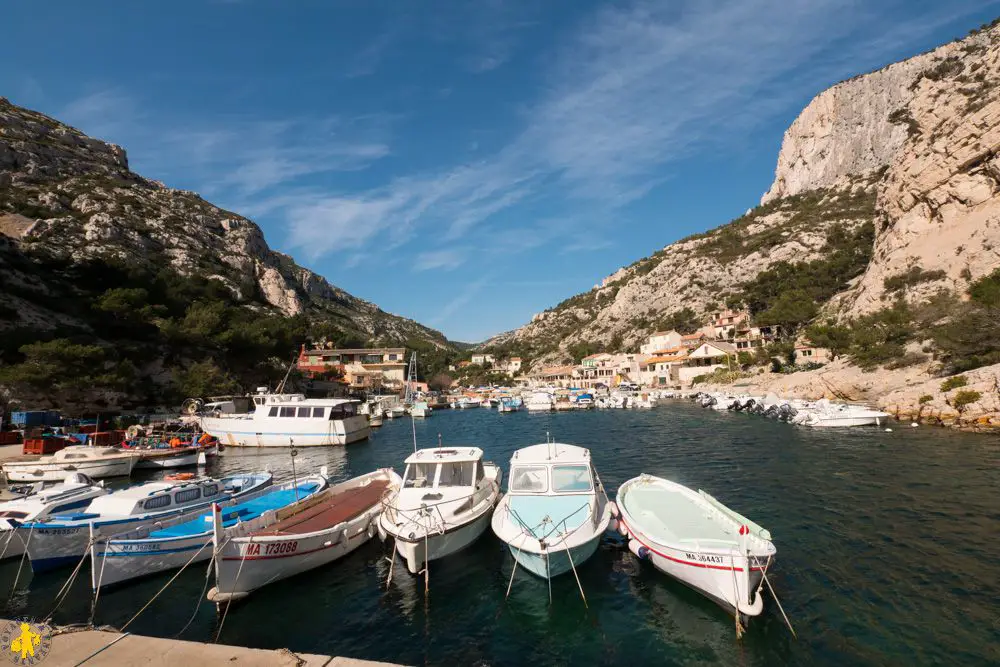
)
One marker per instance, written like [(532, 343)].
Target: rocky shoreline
[(912, 394)]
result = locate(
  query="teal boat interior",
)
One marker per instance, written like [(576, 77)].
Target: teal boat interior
[(671, 516), (544, 515)]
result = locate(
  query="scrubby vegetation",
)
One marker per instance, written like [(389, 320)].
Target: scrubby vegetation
[(954, 382), (913, 276)]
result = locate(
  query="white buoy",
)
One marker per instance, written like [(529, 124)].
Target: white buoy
[(888, 430), (914, 424)]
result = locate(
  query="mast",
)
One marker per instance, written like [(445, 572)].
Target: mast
[(411, 378)]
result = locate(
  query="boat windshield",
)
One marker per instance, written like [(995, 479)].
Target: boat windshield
[(571, 478), (532, 479), (419, 475), (457, 474)]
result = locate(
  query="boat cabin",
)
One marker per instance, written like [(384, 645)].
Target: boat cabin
[(156, 497), (444, 468), (551, 469), (297, 406)]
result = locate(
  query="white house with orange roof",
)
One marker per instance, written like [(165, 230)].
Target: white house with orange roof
[(707, 357), (661, 340), (663, 370)]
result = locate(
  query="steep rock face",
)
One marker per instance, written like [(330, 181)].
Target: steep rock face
[(87, 204), (939, 203), (854, 127)]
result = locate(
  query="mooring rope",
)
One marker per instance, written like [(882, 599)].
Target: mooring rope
[(776, 600), (239, 570), (204, 590), (13, 589), (68, 586), (166, 585)]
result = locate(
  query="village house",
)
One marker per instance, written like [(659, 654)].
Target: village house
[(704, 359), (806, 352), (662, 371), (692, 341), (659, 341), (514, 365), (554, 376), (482, 359), (726, 323), (361, 367)]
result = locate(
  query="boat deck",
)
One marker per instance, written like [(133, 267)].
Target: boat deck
[(338, 508), (668, 514)]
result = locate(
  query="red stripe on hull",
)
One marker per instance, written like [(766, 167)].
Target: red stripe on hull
[(294, 553), (683, 562)]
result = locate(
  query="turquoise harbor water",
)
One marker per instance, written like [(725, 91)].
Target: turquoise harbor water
[(887, 555)]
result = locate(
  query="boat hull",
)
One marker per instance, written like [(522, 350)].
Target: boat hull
[(553, 563), (243, 432), (265, 560), (841, 422), (55, 472), (117, 562), (417, 552), (179, 460)]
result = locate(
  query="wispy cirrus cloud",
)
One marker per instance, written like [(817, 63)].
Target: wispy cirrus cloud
[(446, 259), (636, 89)]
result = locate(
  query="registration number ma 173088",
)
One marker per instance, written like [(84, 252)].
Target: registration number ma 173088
[(271, 548)]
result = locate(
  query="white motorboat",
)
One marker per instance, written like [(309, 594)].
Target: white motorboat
[(61, 539), (826, 414), (375, 419), (540, 401), (694, 538), (444, 505), (170, 543), (509, 405), (467, 402), (299, 537), (74, 493), (420, 409), (555, 510), (94, 462), (285, 420), (170, 458), (395, 412)]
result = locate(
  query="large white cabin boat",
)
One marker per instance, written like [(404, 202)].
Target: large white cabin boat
[(283, 420)]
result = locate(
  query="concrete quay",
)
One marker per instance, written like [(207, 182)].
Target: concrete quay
[(71, 647)]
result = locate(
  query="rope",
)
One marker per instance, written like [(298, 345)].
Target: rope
[(201, 597), (575, 575), (775, 596), (13, 589), (6, 544), (97, 588), (68, 586), (736, 597), (233, 589), (165, 586), (103, 648)]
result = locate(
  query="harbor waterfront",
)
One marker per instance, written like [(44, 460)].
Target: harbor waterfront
[(886, 554)]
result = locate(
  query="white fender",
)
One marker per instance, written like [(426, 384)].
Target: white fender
[(614, 509), (614, 526)]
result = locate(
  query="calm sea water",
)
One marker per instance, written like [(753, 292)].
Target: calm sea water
[(887, 555)]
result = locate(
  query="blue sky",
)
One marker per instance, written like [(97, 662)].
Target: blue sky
[(466, 164)]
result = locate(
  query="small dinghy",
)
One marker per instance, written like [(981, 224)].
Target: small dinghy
[(555, 510), (61, 539), (171, 543), (162, 457), (696, 539), (74, 493), (444, 504), (303, 536)]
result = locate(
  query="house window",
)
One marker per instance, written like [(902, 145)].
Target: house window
[(807, 353), (156, 503), (187, 496), (287, 412)]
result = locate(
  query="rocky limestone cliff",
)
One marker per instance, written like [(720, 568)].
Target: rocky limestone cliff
[(912, 148), (87, 204)]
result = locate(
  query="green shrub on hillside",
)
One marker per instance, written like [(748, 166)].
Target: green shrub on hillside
[(964, 398), (881, 337), (954, 382), (914, 276)]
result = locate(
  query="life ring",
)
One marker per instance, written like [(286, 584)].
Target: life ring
[(179, 476)]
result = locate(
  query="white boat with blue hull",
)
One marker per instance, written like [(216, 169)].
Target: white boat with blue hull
[(694, 538), (172, 543), (74, 493), (444, 505), (61, 539), (555, 511)]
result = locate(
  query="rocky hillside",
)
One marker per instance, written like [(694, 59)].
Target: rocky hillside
[(66, 196), (887, 187)]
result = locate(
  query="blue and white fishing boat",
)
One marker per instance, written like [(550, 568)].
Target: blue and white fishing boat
[(555, 510), (61, 539), (509, 404), (172, 543)]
